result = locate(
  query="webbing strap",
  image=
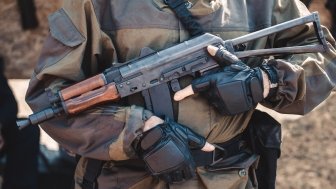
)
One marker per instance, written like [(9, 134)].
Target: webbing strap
[(186, 18), (92, 171)]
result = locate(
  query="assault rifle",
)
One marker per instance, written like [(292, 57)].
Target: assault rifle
[(154, 68)]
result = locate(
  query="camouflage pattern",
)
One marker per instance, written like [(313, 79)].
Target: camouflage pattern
[(87, 36)]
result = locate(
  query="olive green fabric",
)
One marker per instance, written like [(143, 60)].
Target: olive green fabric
[(88, 36)]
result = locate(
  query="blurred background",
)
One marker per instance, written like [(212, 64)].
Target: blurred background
[(308, 157)]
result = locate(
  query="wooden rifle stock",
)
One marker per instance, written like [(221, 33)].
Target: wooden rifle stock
[(103, 94), (82, 87), (75, 102)]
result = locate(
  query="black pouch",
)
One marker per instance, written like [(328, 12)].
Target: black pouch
[(235, 157), (243, 165)]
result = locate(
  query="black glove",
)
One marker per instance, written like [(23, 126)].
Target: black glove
[(235, 88), (166, 151)]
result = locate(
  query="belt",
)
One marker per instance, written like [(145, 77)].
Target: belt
[(221, 152)]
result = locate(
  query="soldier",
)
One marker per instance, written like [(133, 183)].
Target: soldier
[(139, 148)]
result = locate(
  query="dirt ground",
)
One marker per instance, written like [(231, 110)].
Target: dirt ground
[(20, 48), (308, 159)]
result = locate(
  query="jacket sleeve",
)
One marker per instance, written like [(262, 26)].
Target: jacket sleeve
[(305, 80), (75, 49)]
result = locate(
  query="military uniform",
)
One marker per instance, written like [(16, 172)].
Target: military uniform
[(88, 36)]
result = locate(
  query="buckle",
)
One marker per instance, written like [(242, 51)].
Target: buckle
[(218, 154)]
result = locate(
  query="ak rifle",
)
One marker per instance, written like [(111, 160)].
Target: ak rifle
[(155, 68)]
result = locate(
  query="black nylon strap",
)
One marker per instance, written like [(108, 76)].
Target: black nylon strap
[(222, 150), (92, 171), (184, 15)]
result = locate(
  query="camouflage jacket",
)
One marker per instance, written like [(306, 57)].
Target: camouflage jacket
[(86, 36)]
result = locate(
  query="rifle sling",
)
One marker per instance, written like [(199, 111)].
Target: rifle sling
[(187, 19)]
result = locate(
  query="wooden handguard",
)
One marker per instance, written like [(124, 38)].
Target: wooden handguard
[(104, 94), (83, 87)]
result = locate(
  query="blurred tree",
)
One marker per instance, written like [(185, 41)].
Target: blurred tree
[(331, 5), (28, 14)]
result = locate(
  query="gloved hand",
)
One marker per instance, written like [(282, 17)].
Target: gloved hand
[(165, 149), (233, 89)]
